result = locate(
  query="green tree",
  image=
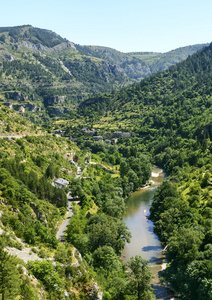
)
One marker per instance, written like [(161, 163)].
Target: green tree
[(27, 291), (44, 271), (106, 258), (9, 276), (108, 231), (184, 245), (139, 278)]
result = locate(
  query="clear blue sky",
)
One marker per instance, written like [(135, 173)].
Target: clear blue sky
[(125, 25)]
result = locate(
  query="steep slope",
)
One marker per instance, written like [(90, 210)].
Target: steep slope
[(30, 34), (32, 208), (43, 74), (34, 265), (138, 65), (168, 116), (47, 71), (174, 99), (164, 119)]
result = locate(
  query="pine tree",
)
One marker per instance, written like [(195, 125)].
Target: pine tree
[(9, 276)]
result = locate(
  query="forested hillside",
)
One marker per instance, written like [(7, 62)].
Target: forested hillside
[(34, 264), (31, 210), (105, 150), (44, 75), (168, 116), (177, 100)]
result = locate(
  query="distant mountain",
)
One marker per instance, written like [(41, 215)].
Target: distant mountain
[(49, 75), (138, 65), (176, 101), (31, 34)]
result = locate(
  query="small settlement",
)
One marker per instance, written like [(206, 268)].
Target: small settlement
[(113, 140)]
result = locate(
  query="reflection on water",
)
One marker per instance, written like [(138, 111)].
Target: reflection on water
[(144, 242)]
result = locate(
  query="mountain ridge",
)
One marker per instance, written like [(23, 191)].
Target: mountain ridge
[(42, 65)]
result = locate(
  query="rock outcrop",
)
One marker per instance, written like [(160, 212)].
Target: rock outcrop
[(8, 57), (55, 100), (40, 216), (17, 96), (32, 46), (95, 292), (40, 47), (22, 108)]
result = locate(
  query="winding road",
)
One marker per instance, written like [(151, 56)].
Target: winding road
[(63, 226), (62, 229)]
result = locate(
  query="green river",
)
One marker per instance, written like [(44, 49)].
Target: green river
[(144, 242)]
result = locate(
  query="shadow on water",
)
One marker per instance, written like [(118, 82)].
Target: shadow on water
[(150, 229), (150, 248), (156, 261), (159, 292)]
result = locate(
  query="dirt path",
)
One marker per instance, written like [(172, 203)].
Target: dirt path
[(19, 136), (25, 254)]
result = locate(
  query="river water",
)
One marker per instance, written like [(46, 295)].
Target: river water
[(144, 242)]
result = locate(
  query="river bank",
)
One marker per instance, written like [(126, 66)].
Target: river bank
[(151, 182)]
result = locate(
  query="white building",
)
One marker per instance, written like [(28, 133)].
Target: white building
[(60, 183)]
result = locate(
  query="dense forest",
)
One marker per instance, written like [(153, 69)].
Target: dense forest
[(169, 117), (32, 209)]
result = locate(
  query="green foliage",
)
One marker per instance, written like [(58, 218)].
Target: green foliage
[(169, 117), (63, 254), (27, 291), (9, 276), (185, 229), (184, 245), (105, 230), (165, 197), (135, 172), (106, 258), (53, 67), (139, 278), (45, 271), (32, 34)]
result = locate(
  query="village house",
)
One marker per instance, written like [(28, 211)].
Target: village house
[(108, 141), (60, 183), (98, 138), (118, 134), (73, 162), (91, 132)]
